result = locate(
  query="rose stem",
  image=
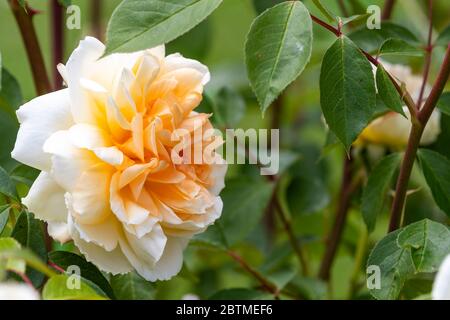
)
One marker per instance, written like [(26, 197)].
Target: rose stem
[(340, 217), (414, 141), (265, 283), (388, 8), (34, 53), (24, 278), (96, 19), (429, 53), (57, 41), (287, 224)]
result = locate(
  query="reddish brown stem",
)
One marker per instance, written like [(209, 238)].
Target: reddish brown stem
[(291, 234), (429, 53), (32, 47), (96, 19), (414, 141), (388, 8), (335, 235), (264, 283), (57, 41)]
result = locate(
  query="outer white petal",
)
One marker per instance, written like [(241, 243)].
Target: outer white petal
[(17, 291), (85, 66), (172, 260), (217, 178), (441, 286), (104, 234), (113, 261), (166, 267), (46, 199), (59, 231), (144, 252), (39, 119), (176, 61)]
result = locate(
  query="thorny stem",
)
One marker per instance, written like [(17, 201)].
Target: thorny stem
[(57, 42), (388, 8), (34, 53), (414, 141), (429, 52), (291, 234), (264, 283)]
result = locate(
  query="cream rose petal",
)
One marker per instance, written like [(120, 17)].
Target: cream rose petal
[(53, 208), (113, 261), (39, 119)]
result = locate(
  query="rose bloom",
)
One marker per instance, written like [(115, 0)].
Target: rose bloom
[(441, 286), (104, 145), (17, 291), (393, 129)]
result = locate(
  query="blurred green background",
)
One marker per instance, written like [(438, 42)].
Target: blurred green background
[(219, 43)]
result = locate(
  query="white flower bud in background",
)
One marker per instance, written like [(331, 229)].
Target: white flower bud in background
[(17, 291)]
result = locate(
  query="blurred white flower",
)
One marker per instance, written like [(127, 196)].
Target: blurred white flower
[(392, 129), (441, 286), (17, 291)]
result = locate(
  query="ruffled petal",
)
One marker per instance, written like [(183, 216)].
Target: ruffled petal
[(46, 199), (39, 119), (114, 261)]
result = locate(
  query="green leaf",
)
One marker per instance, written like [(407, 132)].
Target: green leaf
[(245, 202), (444, 37), (398, 47), (262, 5), (57, 288), (371, 40), (11, 263), (88, 270), (22, 3), (355, 19), (277, 50), (307, 192), (324, 10), (429, 243), (347, 90), (24, 174), (4, 216), (131, 286), (30, 258), (65, 3), (10, 100), (195, 44), (29, 232), (436, 169), (444, 103), (387, 91), (241, 294), (395, 265), (379, 183), (142, 24), (417, 248), (7, 187), (231, 107)]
